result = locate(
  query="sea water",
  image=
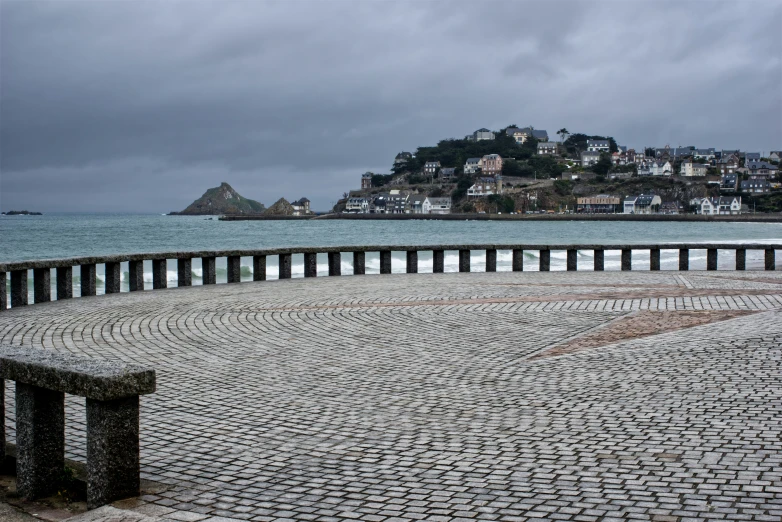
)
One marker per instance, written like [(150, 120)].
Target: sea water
[(72, 235)]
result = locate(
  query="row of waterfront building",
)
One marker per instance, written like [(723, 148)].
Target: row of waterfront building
[(398, 202), (653, 204)]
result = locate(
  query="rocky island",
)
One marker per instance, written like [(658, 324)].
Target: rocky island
[(222, 200), (20, 213)]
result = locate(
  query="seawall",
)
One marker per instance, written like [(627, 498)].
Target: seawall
[(746, 218)]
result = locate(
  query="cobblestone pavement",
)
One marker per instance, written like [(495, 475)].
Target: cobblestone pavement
[(500, 396)]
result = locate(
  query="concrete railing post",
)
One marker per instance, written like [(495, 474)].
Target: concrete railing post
[(770, 260), (2, 421), (544, 264), (599, 260), (18, 288), (284, 266), (234, 269), (518, 260), (3, 292), (112, 278), (208, 270), (184, 272), (654, 259), (136, 276), (88, 277), (40, 439), (741, 259), (159, 274), (112, 450), (335, 263), (627, 259), (491, 260), (310, 264), (464, 260), (385, 261), (711, 259), (572, 260), (359, 263), (684, 259), (259, 268), (64, 277), (42, 285), (438, 261), (412, 262)]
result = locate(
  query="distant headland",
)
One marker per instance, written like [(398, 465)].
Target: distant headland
[(20, 213)]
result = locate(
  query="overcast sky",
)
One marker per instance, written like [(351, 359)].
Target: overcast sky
[(142, 106)]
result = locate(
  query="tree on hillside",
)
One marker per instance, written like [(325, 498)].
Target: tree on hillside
[(562, 134), (603, 165)]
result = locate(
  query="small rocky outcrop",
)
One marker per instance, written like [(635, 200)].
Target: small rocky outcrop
[(222, 200), (281, 207)]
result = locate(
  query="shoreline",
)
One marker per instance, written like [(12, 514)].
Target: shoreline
[(745, 218)]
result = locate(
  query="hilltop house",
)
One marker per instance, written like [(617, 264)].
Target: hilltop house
[(301, 207), (480, 135), (491, 164), (472, 165), (598, 145), (589, 157), (356, 205), (431, 168), (485, 186), (366, 180), (600, 204), (521, 135), (547, 148), (643, 204), (689, 168), (402, 157)]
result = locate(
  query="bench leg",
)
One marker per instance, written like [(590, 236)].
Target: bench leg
[(40, 435), (112, 450)]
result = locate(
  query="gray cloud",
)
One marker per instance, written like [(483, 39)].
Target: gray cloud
[(143, 105)]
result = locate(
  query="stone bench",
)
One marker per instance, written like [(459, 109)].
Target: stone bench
[(112, 391)]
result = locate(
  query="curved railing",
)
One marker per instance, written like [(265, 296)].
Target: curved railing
[(64, 267)]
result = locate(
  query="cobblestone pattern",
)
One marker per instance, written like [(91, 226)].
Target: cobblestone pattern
[(414, 397)]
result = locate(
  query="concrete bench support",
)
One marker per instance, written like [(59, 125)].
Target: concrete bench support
[(770, 261), (464, 260), (627, 259), (741, 259), (184, 272), (136, 276), (208, 270), (654, 259), (112, 278), (113, 466), (412, 262), (684, 259), (518, 260), (112, 390), (545, 261), (491, 260), (335, 263), (159, 274), (234, 272), (259, 268), (385, 261), (359, 263), (88, 277), (599, 260), (310, 264), (572, 260), (40, 426), (438, 261), (3, 292), (711, 259), (18, 288), (42, 285), (284, 266)]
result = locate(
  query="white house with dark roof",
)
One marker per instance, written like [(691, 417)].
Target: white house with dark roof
[(472, 166), (775, 155), (521, 135), (548, 148), (357, 205), (761, 169), (751, 157), (757, 186), (480, 135), (437, 205), (431, 167), (723, 205), (301, 207), (589, 157), (643, 204), (598, 145), (689, 168)]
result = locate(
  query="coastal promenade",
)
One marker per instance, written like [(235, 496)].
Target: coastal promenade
[(511, 396)]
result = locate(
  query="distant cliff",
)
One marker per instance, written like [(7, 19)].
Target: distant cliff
[(222, 200)]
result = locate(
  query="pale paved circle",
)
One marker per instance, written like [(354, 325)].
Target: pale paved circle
[(445, 396)]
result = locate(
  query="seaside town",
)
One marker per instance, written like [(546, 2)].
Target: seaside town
[(525, 170)]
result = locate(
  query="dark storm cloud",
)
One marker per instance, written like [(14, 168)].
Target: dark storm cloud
[(143, 105)]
